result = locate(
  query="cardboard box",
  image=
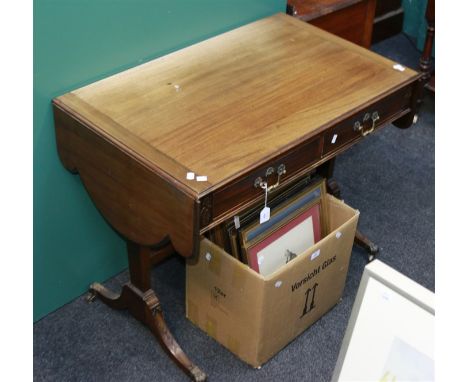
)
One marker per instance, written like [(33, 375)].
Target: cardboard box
[(255, 316)]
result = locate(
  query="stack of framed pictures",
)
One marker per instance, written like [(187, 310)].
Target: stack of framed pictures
[(298, 220)]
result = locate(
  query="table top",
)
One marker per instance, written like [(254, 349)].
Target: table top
[(220, 107)]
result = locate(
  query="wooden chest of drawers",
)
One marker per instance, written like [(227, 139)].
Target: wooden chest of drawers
[(349, 19)]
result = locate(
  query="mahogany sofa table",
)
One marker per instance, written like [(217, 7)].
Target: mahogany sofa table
[(277, 94)]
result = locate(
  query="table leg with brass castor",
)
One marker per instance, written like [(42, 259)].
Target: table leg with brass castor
[(364, 242), (142, 302)]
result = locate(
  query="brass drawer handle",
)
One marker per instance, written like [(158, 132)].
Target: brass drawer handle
[(259, 182), (375, 117), (358, 126)]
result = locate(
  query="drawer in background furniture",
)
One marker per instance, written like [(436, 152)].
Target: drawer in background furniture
[(388, 109), (349, 19), (243, 190), (353, 22)]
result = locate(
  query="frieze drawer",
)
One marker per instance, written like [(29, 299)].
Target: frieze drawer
[(280, 169), (367, 120)]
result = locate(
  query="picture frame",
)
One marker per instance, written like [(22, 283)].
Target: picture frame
[(250, 216), (297, 225), (287, 242), (394, 316)]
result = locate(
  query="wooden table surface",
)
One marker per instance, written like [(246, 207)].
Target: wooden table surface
[(221, 106)]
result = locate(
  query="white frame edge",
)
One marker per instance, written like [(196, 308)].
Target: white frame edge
[(394, 280)]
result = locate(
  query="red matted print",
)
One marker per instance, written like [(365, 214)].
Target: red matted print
[(287, 242)]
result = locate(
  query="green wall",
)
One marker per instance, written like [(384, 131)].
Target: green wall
[(77, 42), (414, 23)]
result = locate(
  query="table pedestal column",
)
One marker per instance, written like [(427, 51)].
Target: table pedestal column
[(326, 170)]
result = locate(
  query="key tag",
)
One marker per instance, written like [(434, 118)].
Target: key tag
[(265, 212)]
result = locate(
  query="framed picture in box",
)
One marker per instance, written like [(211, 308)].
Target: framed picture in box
[(249, 217), (296, 226)]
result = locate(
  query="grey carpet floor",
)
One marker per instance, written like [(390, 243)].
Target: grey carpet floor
[(389, 177)]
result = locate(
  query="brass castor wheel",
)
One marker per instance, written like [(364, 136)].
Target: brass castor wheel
[(91, 296), (374, 251)]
